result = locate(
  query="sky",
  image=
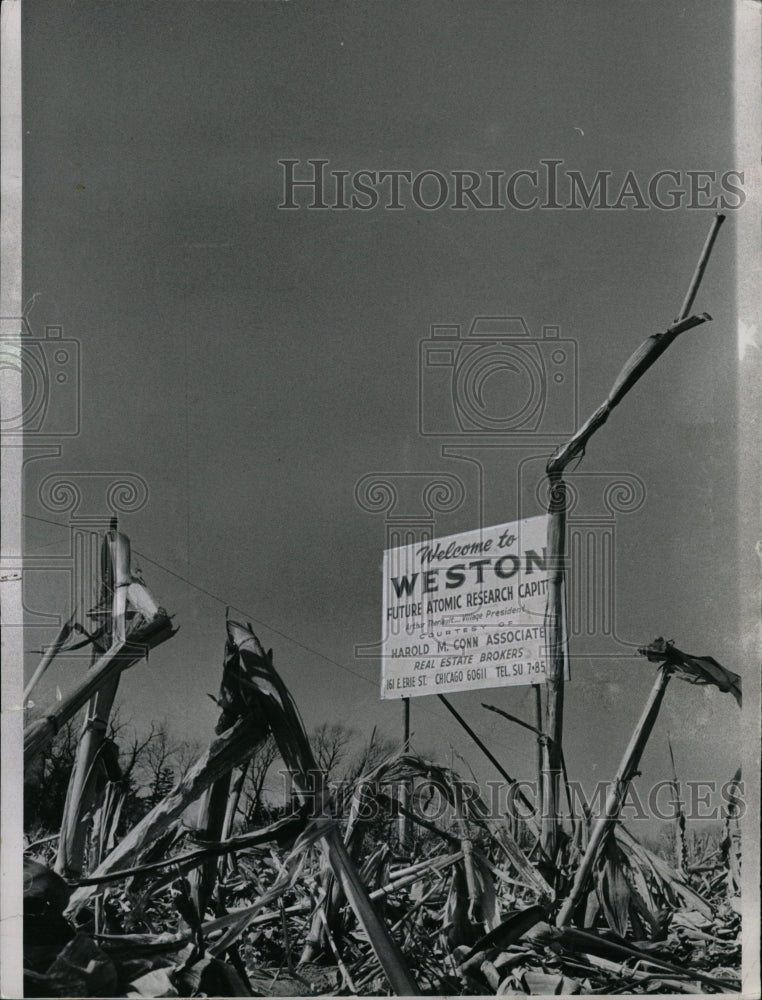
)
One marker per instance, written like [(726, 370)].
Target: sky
[(253, 364)]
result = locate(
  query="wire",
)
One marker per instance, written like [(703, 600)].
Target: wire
[(259, 621), (226, 603), (253, 618), (235, 607)]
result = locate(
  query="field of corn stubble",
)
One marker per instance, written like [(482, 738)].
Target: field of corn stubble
[(341, 892)]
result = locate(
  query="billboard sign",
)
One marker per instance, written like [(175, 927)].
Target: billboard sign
[(466, 611)]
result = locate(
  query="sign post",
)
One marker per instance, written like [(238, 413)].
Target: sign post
[(638, 364), (559, 667), (404, 821)]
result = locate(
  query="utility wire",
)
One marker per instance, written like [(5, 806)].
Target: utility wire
[(248, 615), (259, 621), (228, 604)]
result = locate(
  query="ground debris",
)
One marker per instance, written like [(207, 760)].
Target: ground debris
[(325, 896)]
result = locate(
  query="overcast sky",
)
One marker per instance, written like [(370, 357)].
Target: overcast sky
[(253, 364)]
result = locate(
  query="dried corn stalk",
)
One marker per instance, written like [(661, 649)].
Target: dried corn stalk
[(224, 753), (267, 690), (112, 609), (144, 635)]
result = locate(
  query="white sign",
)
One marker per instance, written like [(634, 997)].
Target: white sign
[(466, 611)]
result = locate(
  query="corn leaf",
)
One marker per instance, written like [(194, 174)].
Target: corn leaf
[(509, 931), (270, 698), (694, 669), (613, 888), (223, 754)]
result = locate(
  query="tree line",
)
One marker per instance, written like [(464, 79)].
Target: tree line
[(151, 760)]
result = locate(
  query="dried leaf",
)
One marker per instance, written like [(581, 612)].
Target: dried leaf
[(509, 930), (613, 889), (44, 890), (157, 983), (82, 969), (488, 906), (548, 984), (271, 700), (696, 669), (680, 893)]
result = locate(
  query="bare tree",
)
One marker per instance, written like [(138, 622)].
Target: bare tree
[(373, 751), (254, 783), (158, 764), (330, 745), (186, 753), (132, 747), (46, 782)]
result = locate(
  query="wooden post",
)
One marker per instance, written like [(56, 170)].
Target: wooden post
[(538, 722), (404, 818), (604, 825), (487, 753), (637, 365), (551, 748), (114, 580)]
